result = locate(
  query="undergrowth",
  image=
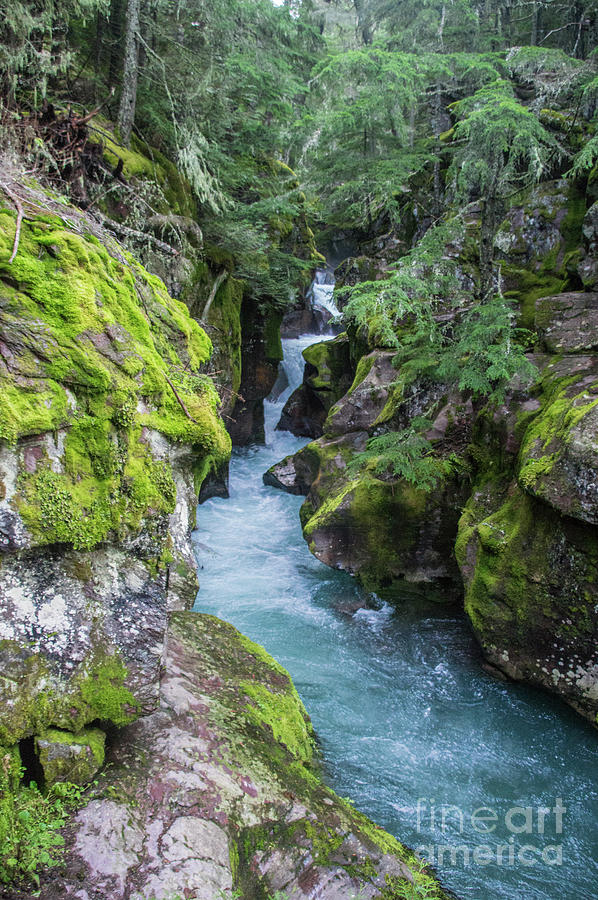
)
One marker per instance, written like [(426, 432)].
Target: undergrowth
[(30, 823)]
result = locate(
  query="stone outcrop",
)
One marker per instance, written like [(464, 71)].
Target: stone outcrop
[(396, 539), (568, 323), (588, 265), (538, 245), (107, 430), (218, 791), (521, 507), (527, 544), (261, 352)]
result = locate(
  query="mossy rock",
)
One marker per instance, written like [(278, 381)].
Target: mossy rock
[(395, 538), (231, 757), (558, 459), (535, 242), (102, 356), (65, 756), (327, 376), (141, 162), (530, 577)]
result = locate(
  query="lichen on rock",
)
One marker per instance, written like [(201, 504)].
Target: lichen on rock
[(219, 790)]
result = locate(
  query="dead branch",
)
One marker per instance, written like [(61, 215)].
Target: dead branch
[(181, 404), (125, 231), (20, 213), (183, 223), (85, 119), (219, 279)]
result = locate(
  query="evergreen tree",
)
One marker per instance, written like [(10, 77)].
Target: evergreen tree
[(500, 148)]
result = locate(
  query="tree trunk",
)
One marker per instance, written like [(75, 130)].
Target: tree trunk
[(441, 28), (97, 58), (128, 97), (487, 233), (364, 21), (114, 30), (437, 126), (534, 35)]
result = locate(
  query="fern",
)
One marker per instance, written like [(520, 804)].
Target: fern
[(421, 283), (405, 454)]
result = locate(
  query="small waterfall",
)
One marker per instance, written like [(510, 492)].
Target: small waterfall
[(290, 376), (321, 292)]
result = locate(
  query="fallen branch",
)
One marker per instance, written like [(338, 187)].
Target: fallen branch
[(181, 404), (183, 223), (140, 235), (20, 214), (85, 119)]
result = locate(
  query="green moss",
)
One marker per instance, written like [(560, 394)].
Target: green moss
[(519, 555), (101, 339), (144, 163), (333, 369), (363, 370), (272, 341), (284, 714), (103, 692), (69, 757), (546, 436), (225, 317), (257, 651), (384, 520), (29, 701), (30, 410), (572, 224), (531, 286)]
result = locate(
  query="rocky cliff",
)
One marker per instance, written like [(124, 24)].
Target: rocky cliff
[(218, 794), (108, 430)]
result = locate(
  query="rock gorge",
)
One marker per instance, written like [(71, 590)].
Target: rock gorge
[(511, 529), (209, 776), (442, 162)]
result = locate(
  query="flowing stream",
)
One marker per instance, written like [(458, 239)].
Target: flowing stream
[(411, 727)]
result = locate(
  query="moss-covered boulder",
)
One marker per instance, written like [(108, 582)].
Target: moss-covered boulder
[(530, 576), (396, 538), (366, 397), (538, 244), (74, 758), (559, 454), (327, 376), (296, 473), (107, 429), (220, 792), (527, 544)]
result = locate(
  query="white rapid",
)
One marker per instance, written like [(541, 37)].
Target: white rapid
[(321, 292)]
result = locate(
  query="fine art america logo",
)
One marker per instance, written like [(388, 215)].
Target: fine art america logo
[(523, 836)]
